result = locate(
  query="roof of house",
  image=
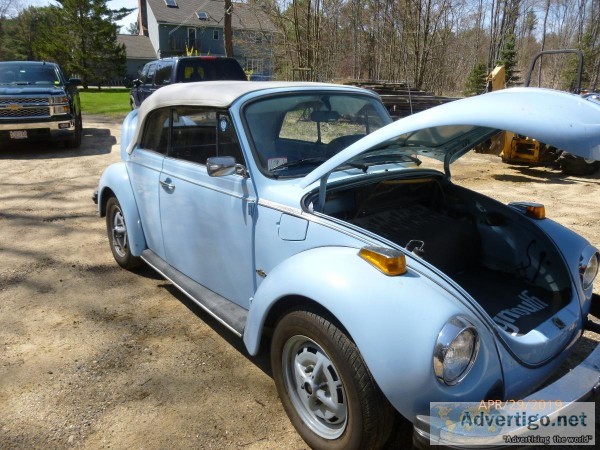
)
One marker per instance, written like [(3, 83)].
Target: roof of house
[(137, 47), (245, 16)]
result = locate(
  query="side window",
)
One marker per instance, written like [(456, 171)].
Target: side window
[(199, 134), (194, 134), (156, 131), (163, 74), (150, 74), (144, 74)]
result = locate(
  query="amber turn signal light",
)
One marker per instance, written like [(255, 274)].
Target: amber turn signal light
[(536, 211), (390, 262)]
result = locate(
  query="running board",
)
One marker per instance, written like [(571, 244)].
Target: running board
[(232, 316)]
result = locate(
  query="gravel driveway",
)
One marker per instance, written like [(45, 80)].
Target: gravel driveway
[(93, 356)]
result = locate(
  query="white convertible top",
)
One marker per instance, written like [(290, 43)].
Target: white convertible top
[(216, 94), (220, 94)]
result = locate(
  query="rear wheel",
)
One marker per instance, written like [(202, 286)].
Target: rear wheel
[(325, 386), (116, 230)]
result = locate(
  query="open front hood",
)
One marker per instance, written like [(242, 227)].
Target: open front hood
[(565, 121)]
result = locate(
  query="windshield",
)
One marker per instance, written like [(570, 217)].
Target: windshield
[(26, 74), (293, 134)]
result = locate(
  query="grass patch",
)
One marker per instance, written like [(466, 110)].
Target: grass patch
[(108, 102)]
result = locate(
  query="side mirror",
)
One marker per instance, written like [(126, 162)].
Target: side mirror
[(74, 81), (137, 82), (220, 166)]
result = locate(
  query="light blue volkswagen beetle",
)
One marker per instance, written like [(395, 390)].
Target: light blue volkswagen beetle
[(300, 212)]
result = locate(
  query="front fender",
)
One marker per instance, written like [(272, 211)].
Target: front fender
[(115, 181), (394, 321)]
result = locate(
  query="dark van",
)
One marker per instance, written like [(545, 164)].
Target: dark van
[(183, 69)]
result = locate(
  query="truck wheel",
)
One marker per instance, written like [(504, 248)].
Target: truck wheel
[(75, 140), (575, 165), (117, 236), (325, 387)]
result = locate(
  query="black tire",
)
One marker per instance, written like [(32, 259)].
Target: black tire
[(354, 414), (575, 165), (116, 229), (75, 140)]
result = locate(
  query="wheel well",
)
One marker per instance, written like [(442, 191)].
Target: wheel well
[(294, 303), (107, 193)]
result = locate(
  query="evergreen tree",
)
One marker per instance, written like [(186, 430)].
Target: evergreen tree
[(508, 58), (87, 36), (476, 83), (25, 37)]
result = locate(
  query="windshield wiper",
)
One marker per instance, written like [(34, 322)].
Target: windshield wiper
[(298, 163), (389, 159)]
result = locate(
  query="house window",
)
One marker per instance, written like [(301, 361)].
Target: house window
[(191, 41), (171, 3), (255, 65), (216, 35)]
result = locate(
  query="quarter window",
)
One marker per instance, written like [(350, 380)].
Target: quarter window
[(156, 131)]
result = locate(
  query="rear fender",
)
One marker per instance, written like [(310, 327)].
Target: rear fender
[(115, 183), (394, 321)]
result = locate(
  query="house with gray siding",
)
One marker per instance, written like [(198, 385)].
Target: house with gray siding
[(139, 52), (180, 27)]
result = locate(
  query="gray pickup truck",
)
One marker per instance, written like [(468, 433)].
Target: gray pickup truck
[(38, 103)]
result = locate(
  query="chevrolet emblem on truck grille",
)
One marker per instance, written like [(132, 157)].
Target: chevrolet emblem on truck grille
[(14, 106)]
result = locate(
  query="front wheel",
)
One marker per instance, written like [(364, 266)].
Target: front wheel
[(116, 230), (325, 386), (75, 140)]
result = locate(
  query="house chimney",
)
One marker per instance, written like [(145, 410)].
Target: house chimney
[(143, 17)]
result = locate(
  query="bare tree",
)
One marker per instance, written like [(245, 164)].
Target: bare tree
[(9, 7)]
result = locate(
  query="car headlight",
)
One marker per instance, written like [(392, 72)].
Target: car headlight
[(588, 269), (455, 350), (59, 99)]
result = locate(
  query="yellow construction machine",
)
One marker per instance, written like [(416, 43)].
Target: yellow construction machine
[(517, 149)]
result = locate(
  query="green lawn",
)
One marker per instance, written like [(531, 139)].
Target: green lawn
[(108, 102)]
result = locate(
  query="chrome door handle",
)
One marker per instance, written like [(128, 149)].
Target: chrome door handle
[(167, 185)]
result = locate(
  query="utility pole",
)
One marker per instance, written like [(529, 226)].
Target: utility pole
[(227, 31)]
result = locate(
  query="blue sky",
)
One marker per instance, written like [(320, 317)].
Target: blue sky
[(112, 4)]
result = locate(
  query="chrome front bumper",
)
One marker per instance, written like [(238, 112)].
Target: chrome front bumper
[(47, 125)]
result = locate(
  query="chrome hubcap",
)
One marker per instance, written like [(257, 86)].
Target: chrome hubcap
[(315, 387), (119, 233)]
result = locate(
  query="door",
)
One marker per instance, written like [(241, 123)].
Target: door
[(144, 166), (207, 222)]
